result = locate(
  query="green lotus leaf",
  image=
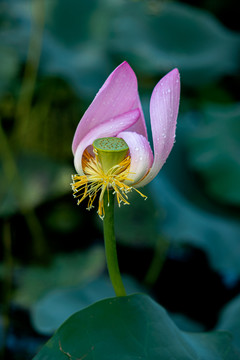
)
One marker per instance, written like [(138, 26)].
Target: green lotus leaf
[(132, 327)]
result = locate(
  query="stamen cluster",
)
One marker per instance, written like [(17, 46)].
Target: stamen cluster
[(95, 181)]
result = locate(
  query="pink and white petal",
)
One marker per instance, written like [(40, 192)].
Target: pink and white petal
[(141, 156), (164, 105), (117, 96), (109, 128)]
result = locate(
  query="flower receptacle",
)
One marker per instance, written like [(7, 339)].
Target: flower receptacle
[(111, 151)]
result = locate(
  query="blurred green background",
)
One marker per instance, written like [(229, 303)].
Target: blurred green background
[(182, 245)]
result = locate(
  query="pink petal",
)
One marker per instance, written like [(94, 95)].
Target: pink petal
[(109, 128), (118, 95), (141, 155), (140, 126), (164, 106)]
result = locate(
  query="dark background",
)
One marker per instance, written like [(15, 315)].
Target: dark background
[(182, 245)]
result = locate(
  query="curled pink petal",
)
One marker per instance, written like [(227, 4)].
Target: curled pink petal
[(141, 156), (118, 95), (106, 129), (164, 106)]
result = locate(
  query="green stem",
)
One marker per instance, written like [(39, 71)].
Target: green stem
[(110, 245), (159, 257), (23, 107)]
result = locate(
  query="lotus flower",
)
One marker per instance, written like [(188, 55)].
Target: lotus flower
[(116, 112)]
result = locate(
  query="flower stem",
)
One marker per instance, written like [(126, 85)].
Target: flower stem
[(110, 245)]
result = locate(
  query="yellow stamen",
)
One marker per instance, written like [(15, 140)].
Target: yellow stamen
[(97, 181)]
